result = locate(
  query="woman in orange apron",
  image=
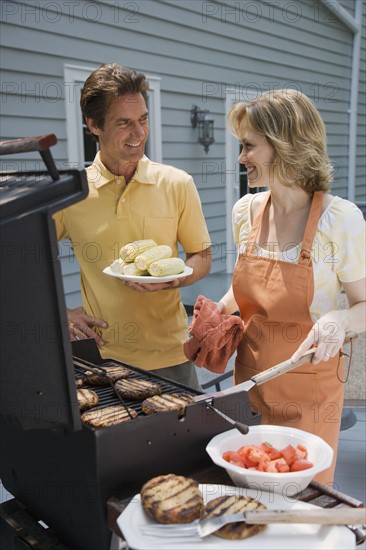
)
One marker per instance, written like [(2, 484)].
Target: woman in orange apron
[(275, 294)]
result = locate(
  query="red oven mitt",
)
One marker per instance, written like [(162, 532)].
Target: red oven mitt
[(213, 336)]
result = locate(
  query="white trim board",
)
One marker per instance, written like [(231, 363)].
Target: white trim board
[(232, 169)]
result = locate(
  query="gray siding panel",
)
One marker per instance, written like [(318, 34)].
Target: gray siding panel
[(361, 134), (199, 50)]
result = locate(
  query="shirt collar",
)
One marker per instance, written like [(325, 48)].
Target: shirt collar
[(100, 175)]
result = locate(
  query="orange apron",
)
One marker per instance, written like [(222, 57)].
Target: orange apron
[(274, 299)]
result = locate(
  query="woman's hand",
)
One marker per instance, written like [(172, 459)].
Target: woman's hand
[(329, 332), (327, 335), (227, 303), (80, 326)]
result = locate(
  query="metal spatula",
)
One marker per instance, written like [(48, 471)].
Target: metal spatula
[(203, 528), (260, 378), (269, 374)]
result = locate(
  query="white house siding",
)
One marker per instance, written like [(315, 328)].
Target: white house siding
[(199, 50)]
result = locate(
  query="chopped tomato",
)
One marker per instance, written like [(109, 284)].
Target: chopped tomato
[(257, 455), (271, 451), (264, 465), (266, 458), (301, 451), (266, 447), (244, 453), (300, 464), (289, 454), (234, 458), (281, 465), (271, 467)]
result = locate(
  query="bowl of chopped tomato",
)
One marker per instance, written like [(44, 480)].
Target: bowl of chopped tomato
[(278, 459)]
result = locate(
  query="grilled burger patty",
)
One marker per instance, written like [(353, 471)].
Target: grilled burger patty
[(79, 382), (114, 373), (107, 416), (166, 402), (87, 398), (172, 499), (137, 389), (232, 505)]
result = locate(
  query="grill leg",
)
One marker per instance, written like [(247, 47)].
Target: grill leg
[(21, 531)]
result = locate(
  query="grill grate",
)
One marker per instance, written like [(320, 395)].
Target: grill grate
[(108, 396), (8, 182)]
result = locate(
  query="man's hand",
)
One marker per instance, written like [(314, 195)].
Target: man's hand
[(152, 287), (80, 325)]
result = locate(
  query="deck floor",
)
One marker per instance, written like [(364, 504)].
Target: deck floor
[(350, 475)]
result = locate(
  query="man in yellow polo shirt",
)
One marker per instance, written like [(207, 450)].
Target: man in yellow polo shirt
[(131, 198)]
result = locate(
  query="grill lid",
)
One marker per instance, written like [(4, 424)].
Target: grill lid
[(37, 385)]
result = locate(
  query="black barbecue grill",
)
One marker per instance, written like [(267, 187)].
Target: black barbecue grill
[(63, 472)]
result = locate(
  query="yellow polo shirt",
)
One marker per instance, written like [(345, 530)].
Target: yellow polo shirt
[(161, 202)]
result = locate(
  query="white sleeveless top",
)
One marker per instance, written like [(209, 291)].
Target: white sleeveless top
[(338, 252)]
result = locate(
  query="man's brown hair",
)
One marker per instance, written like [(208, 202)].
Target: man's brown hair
[(105, 85)]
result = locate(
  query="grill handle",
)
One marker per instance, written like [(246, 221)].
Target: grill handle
[(242, 428), (29, 144)]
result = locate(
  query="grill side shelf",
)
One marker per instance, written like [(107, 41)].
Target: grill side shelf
[(315, 493)]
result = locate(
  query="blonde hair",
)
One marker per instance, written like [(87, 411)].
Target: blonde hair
[(294, 128)]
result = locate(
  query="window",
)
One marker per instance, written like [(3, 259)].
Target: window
[(80, 145)]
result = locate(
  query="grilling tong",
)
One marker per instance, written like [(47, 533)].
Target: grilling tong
[(269, 374), (205, 527)]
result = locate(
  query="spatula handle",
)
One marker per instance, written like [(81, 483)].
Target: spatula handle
[(282, 368), (322, 516)]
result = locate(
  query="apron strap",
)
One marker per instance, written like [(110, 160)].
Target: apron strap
[(311, 227), (258, 219)]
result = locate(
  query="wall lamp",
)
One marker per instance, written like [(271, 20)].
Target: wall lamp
[(205, 124)]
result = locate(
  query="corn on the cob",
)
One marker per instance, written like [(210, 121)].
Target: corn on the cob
[(132, 269), (152, 255), (167, 266), (117, 266), (130, 250)]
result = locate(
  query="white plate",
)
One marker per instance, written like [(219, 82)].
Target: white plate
[(148, 278), (275, 537)]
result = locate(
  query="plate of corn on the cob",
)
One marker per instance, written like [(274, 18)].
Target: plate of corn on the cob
[(147, 262)]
